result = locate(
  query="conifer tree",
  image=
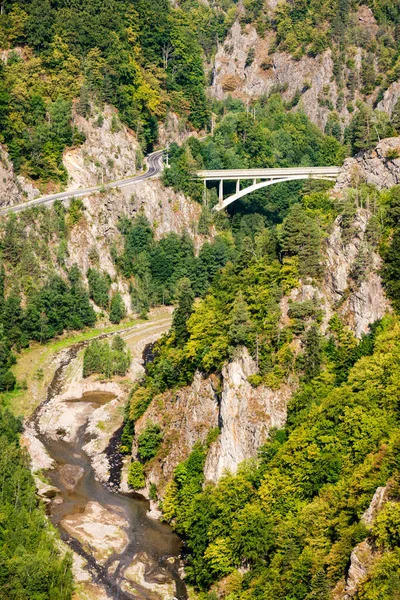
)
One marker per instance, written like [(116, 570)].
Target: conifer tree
[(185, 297), (312, 354), (118, 311), (241, 324)]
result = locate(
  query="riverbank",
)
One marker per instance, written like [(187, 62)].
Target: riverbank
[(37, 364), (119, 552)]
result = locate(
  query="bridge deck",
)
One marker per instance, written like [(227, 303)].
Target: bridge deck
[(227, 174)]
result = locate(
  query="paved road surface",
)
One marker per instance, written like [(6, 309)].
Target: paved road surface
[(154, 164)]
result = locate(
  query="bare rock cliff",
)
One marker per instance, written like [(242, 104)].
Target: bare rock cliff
[(13, 189), (364, 555), (360, 302), (108, 154), (246, 417), (379, 167), (237, 73), (97, 231), (244, 414), (233, 75), (185, 417)]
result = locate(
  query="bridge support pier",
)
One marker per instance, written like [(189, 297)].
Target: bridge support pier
[(221, 191), (237, 186)]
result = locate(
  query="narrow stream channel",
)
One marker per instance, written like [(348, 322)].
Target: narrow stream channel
[(151, 543)]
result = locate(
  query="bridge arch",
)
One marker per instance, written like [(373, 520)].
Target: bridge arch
[(267, 176), (262, 184)]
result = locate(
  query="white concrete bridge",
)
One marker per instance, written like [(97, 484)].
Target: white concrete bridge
[(262, 178)]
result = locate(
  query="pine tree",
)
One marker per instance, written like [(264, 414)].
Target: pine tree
[(312, 354), (185, 297), (241, 324), (118, 310), (301, 237)]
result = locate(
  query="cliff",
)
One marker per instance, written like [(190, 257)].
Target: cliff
[(365, 555), (379, 167), (13, 189), (110, 151), (245, 416), (247, 66), (351, 287)]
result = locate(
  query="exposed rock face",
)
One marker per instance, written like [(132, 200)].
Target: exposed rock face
[(97, 231), (360, 304), (13, 189), (378, 501), (247, 415), (378, 167), (174, 129), (108, 154), (390, 97), (236, 75), (244, 414), (311, 76), (185, 417), (364, 555), (361, 560)]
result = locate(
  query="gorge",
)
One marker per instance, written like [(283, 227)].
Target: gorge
[(199, 401)]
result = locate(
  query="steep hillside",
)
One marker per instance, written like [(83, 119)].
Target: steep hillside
[(255, 373), (264, 428), (324, 58)]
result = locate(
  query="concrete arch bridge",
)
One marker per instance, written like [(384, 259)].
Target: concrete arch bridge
[(261, 178)]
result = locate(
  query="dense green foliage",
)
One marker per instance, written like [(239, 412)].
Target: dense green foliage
[(293, 516), (242, 304), (391, 268), (143, 57), (31, 565), (106, 359), (149, 441), (117, 309), (136, 476), (99, 287), (159, 265)]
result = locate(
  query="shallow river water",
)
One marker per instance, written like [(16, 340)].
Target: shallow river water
[(137, 543)]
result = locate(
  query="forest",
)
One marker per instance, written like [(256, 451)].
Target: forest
[(286, 523), (31, 562), (284, 526)]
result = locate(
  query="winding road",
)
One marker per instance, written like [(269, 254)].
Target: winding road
[(155, 166)]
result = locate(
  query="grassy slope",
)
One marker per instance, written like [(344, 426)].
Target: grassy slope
[(42, 357)]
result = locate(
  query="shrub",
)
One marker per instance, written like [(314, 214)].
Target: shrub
[(149, 442), (136, 477)]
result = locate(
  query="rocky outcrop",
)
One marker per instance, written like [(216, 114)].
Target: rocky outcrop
[(359, 303), (108, 154), (185, 417), (247, 415), (244, 414), (379, 167), (364, 555), (361, 561), (280, 71), (98, 231), (378, 501), (13, 189), (244, 68), (390, 97), (174, 129)]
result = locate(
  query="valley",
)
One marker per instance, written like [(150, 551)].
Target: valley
[(199, 300)]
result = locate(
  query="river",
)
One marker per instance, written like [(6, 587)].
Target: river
[(121, 553)]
